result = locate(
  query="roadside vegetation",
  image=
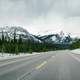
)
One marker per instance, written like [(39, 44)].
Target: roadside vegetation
[(17, 46), (75, 44)]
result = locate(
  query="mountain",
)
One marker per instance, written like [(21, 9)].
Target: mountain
[(9, 32), (60, 38), (17, 39), (56, 39)]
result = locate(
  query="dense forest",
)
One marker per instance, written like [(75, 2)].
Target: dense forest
[(17, 46), (75, 44)]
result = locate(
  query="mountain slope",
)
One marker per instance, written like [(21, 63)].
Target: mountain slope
[(56, 39), (10, 32)]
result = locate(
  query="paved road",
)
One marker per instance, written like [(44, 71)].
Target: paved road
[(54, 65)]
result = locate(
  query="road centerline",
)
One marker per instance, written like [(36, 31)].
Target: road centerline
[(41, 65)]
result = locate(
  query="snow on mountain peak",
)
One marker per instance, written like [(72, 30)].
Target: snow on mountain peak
[(19, 31)]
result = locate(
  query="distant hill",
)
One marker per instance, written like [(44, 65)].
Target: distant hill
[(9, 33), (18, 31)]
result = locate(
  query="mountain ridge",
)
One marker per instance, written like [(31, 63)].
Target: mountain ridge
[(25, 35)]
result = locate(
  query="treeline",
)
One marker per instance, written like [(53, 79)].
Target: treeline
[(75, 44), (17, 46)]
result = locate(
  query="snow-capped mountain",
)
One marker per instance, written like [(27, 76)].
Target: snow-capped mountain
[(56, 39), (9, 32)]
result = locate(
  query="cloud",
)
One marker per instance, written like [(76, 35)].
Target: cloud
[(39, 7), (41, 15), (31, 9)]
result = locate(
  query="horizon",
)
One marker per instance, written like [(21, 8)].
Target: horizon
[(48, 32)]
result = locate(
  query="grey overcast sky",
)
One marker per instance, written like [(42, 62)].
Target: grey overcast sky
[(39, 16)]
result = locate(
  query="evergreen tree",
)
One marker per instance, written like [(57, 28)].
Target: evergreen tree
[(20, 40), (16, 49), (15, 40), (3, 46)]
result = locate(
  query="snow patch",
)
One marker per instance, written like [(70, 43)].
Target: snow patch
[(76, 51), (10, 56)]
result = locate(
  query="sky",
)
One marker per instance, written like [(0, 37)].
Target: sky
[(42, 16)]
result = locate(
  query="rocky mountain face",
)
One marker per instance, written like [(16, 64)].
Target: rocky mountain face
[(9, 33), (56, 39)]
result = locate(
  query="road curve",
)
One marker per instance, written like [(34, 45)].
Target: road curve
[(53, 65)]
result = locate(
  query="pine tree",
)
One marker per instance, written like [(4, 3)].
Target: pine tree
[(15, 36), (16, 49), (3, 47), (20, 40)]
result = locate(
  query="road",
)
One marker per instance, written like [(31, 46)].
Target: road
[(53, 65)]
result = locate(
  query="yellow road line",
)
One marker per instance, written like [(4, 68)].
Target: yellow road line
[(41, 65)]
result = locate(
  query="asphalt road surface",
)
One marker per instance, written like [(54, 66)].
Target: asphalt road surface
[(53, 65)]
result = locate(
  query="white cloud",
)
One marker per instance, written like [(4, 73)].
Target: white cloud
[(41, 15)]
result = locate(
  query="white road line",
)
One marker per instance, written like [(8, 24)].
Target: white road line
[(14, 61), (25, 74), (40, 66), (31, 71), (76, 58), (10, 62)]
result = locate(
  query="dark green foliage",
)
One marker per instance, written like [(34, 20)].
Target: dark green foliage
[(75, 44), (16, 49), (17, 46)]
